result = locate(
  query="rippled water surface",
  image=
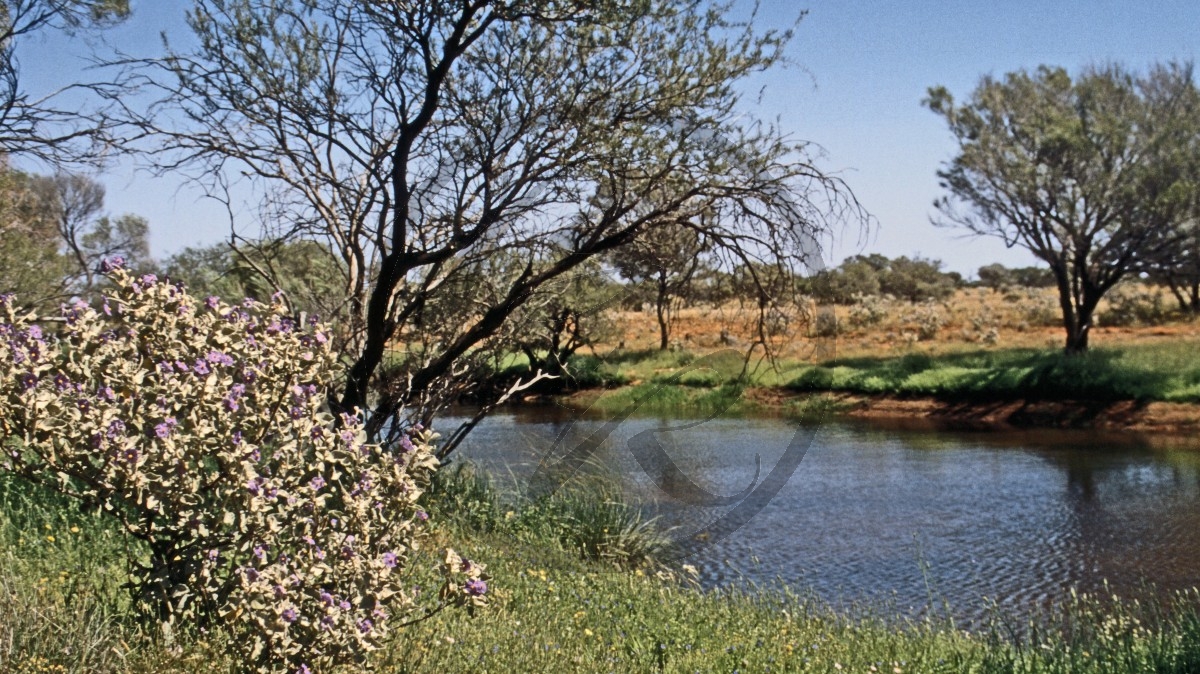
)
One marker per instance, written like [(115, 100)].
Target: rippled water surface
[(898, 516)]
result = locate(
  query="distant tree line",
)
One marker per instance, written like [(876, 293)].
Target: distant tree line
[(913, 279)]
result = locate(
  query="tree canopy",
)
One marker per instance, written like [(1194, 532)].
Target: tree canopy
[(420, 141), (1092, 174)]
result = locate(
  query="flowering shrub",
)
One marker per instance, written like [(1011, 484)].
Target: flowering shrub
[(200, 427)]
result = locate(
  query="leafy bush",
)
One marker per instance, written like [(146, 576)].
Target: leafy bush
[(1038, 308), (868, 310), (826, 324), (591, 372), (926, 320), (1133, 306), (200, 428)]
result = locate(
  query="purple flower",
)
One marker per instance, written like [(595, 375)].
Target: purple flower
[(213, 554), (237, 438), (296, 413), (35, 332), (316, 433), (111, 264), (422, 515), (28, 380), (365, 625), (162, 430), (303, 669), (219, 358), (254, 486), (327, 623), (466, 566), (344, 605), (316, 483), (260, 552), (390, 560), (130, 455), (200, 367), (106, 393), (212, 301), (251, 574), (149, 279), (61, 382), (476, 587), (406, 444), (115, 427), (279, 591), (181, 366), (166, 366), (326, 598)]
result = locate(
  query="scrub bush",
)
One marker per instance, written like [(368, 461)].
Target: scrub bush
[(201, 428)]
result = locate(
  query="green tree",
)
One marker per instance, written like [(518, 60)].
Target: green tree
[(856, 277), (917, 280), (420, 140), (1090, 174), (305, 272), (996, 276), (85, 234), (665, 258), (30, 265)]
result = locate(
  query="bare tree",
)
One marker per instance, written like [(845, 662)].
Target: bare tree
[(40, 126), (1093, 176), (419, 140)]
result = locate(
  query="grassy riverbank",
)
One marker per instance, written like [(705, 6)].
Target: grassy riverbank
[(62, 609), (1147, 386)]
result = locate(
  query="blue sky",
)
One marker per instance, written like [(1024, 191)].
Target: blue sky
[(861, 70)]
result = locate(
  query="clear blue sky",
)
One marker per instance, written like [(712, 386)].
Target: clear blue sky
[(862, 68)]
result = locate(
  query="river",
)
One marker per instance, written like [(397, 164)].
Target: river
[(901, 519)]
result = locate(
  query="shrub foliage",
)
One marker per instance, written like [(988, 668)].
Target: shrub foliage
[(201, 427)]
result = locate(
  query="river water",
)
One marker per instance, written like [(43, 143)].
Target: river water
[(900, 518)]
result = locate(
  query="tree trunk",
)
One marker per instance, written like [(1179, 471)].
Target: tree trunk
[(1077, 309), (662, 306), (1081, 327)]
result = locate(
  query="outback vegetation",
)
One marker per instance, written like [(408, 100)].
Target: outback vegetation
[(222, 460)]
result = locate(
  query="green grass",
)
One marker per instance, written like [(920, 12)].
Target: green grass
[(676, 399), (553, 610), (1143, 373), (682, 382)]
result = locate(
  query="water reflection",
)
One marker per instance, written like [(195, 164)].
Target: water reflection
[(903, 516)]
